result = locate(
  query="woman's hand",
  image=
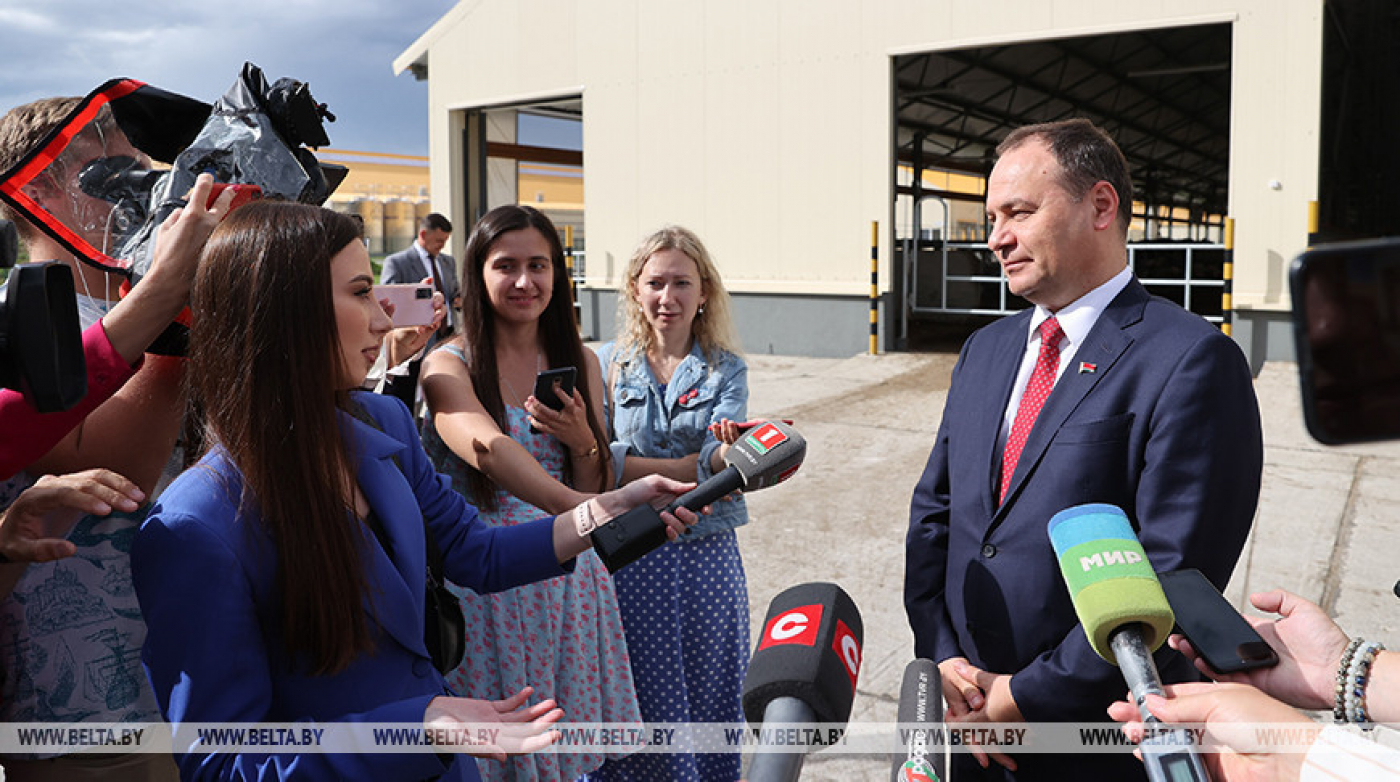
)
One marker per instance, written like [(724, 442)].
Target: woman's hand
[(1309, 646), (655, 490), (1231, 714), (569, 425), (726, 431), (572, 530), (404, 343), (492, 729), (32, 529)]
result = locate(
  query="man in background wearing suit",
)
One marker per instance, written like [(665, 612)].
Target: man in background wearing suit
[(422, 260), (1101, 393)]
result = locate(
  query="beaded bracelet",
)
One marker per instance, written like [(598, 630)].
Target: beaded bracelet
[(1339, 709), (1359, 675), (1353, 674)]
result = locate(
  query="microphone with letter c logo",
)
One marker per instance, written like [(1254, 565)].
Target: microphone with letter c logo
[(803, 672)]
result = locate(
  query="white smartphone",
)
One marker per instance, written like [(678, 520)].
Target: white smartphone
[(413, 303)]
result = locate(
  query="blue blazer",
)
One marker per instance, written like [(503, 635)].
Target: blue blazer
[(205, 574), (1164, 426)]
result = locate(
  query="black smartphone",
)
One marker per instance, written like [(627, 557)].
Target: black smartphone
[(1217, 631), (545, 382), (1346, 324)]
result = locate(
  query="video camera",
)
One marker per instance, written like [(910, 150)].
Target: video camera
[(41, 347), (91, 186)]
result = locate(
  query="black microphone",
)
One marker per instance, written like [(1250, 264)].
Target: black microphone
[(1126, 616), (920, 712), (803, 672), (766, 455)]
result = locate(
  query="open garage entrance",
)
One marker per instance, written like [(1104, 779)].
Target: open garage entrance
[(1164, 96)]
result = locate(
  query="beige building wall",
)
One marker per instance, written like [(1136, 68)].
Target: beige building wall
[(766, 126)]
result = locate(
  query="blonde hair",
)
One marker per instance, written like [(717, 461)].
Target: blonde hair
[(713, 327)]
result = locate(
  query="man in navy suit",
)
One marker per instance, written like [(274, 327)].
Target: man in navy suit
[(1100, 394), (422, 260)]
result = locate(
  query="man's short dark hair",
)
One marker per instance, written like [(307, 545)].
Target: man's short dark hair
[(1086, 154), (435, 222)]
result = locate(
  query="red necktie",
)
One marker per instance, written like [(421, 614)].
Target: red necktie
[(1037, 391)]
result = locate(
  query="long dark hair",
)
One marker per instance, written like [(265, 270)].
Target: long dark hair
[(265, 366), (562, 345)]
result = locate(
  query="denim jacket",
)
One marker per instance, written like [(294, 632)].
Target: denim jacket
[(644, 422)]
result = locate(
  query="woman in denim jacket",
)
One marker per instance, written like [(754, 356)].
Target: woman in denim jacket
[(673, 374)]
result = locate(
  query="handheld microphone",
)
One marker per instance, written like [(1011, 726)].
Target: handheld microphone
[(1126, 616), (765, 456), (803, 671), (920, 708)]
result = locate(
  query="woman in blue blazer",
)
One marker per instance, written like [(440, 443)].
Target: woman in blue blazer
[(282, 578)]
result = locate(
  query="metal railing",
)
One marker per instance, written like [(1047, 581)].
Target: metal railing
[(969, 279)]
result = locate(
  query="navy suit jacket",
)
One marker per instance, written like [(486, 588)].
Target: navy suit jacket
[(1164, 426), (205, 574)]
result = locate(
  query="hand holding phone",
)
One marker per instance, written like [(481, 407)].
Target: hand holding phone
[(1223, 638), (413, 303), (1308, 644), (547, 381)]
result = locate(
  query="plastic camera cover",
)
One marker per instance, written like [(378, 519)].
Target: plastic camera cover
[(96, 186)]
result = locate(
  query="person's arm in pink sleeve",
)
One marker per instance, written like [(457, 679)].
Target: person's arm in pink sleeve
[(30, 434)]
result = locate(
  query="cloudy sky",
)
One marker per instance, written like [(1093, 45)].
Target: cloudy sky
[(343, 49)]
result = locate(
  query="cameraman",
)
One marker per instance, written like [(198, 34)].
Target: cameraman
[(113, 348), (71, 632)]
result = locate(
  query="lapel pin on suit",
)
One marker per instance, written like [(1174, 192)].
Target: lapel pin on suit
[(1085, 368)]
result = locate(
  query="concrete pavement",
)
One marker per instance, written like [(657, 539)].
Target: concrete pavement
[(1327, 527)]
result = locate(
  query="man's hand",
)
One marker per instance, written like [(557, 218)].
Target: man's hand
[(32, 529), (974, 695), (961, 694), (139, 318)]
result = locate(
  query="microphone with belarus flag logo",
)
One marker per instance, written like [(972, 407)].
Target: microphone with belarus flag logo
[(802, 677), (767, 455), (1126, 616), (920, 712)]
